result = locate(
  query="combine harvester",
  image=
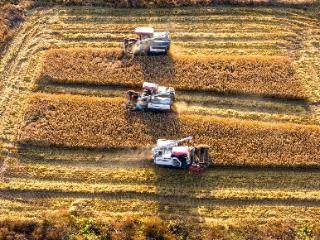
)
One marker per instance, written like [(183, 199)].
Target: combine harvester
[(168, 153), (153, 98), (148, 42)]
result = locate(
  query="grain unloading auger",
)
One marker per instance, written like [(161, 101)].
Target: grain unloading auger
[(153, 98), (148, 42), (168, 153)]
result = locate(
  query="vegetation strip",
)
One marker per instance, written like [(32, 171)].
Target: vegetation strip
[(266, 76), (77, 121)]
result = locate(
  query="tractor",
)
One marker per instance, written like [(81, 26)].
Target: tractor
[(168, 153), (148, 42), (153, 98)]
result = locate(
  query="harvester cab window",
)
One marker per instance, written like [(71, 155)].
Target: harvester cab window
[(145, 36), (147, 92)]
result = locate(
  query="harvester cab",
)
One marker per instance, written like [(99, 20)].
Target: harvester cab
[(168, 153), (148, 42), (153, 98)]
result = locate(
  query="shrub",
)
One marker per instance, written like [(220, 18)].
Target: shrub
[(179, 228), (127, 228), (156, 230)]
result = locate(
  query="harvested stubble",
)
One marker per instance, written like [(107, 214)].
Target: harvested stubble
[(77, 121), (258, 75)]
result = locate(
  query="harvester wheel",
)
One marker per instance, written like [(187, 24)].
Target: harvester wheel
[(122, 55), (130, 106), (176, 162)]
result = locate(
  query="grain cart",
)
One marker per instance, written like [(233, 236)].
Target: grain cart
[(168, 153), (153, 97), (148, 42)]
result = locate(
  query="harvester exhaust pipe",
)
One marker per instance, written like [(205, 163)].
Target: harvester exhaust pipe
[(184, 139)]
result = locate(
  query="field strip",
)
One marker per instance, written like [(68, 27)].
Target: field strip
[(137, 158), (213, 178), (83, 154), (198, 36), (253, 75), (206, 103), (141, 207), (196, 40), (308, 65), (196, 96), (90, 157), (116, 35), (272, 47), (36, 191), (198, 19), (93, 119), (17, 68), (189, 50), (185, 11), (247, 29), (116, 158)]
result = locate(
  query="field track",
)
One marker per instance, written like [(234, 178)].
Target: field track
[(115, 182)]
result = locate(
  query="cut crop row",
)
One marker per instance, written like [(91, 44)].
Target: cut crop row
[(234, 27), (211, 179), (153, 191), (77, 121)]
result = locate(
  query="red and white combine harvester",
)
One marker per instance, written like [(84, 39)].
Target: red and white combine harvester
[(168, 153), (153, 98)]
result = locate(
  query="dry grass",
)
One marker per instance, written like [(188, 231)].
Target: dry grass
[(11, 16), (216, 180), (176, 3), (89, 227), (259, 75), (76, 121)]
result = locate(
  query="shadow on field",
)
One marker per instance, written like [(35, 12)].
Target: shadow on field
[(158, 69), (156, 125), (175, 201)]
